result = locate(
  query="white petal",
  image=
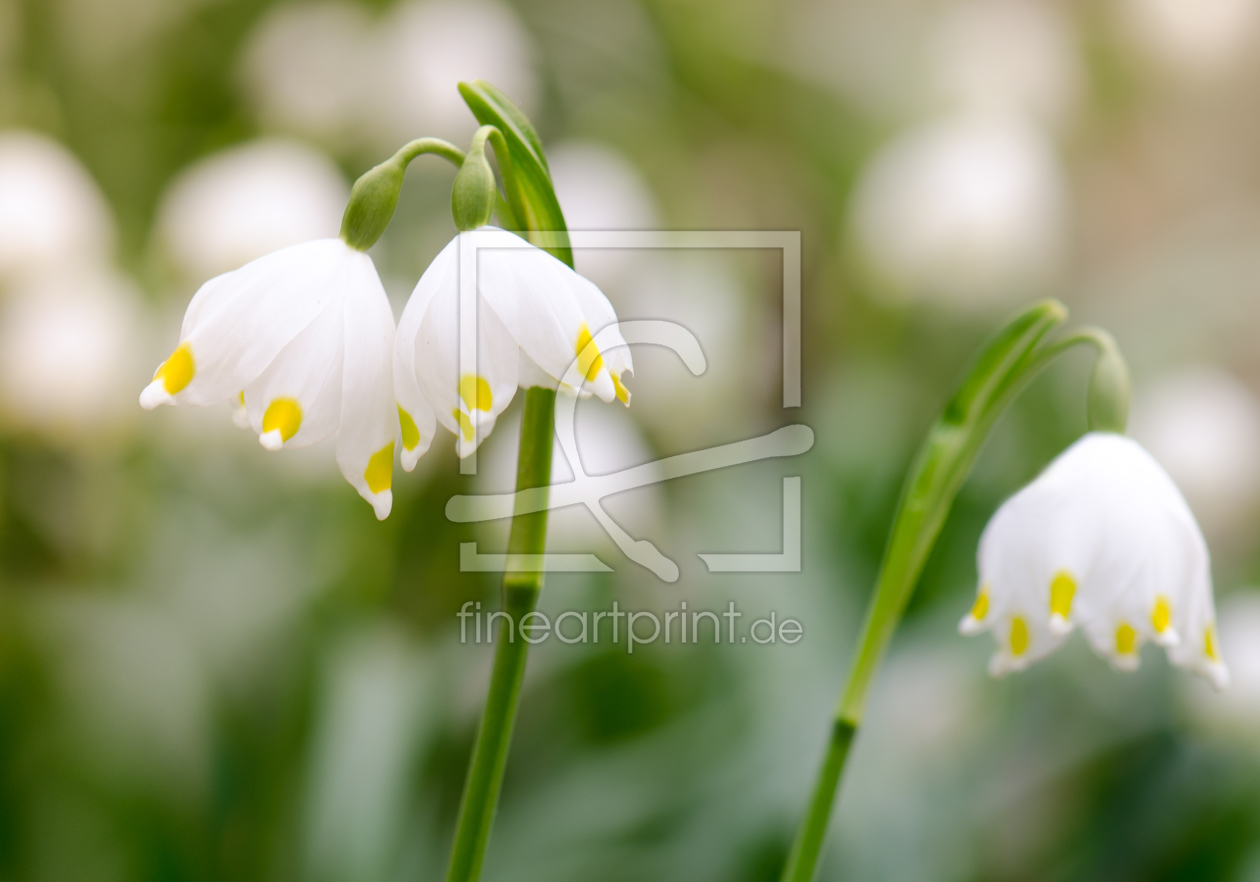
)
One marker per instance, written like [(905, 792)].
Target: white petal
[(413, 405), (369, 428), (466, 404), (297, 399), (541, 303), (599, 314)]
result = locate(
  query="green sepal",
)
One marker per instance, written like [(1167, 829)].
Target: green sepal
[(528, 185)]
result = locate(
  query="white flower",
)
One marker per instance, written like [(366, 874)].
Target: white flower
[(301, 340), (309, 66), (248, 201), (601, 190), (965, 211), (51, 211), (1203, 40), (535, 317), (1104, 540), (68, 343), (427, 48)]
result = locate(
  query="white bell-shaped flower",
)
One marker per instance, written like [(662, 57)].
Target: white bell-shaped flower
[(1101, 539), (535, 316), (301, 341)]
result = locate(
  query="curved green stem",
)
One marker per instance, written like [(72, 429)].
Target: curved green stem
[(1005, 366), (520, 595), (375, 194), (434, 146), (1109, 383)]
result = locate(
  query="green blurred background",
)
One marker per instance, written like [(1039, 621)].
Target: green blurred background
[(216, 664)]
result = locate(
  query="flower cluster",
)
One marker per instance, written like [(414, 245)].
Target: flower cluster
[(1102, 540), (303, 341)]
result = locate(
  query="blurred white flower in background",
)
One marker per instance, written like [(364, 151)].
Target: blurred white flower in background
[(51, 211), (1007, 56), (69, 348), (308, 67), (242, 203), (600, 189), (329, 72), (1236, 711), (1203, 425), (969, 210), (1198, 38), (427, 48)]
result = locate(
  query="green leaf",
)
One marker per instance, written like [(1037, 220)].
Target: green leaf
[(528, 184), (1002, 359)]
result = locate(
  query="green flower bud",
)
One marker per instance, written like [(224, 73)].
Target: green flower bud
[(474, 195), (1109, 387), (372, 203)]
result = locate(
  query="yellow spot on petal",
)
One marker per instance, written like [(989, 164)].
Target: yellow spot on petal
[(1126, 639), (177, 371), (981, 607), (284, 414), (476, 392), (465, 424), (1161, 616), (240, 399), (623, 394), (380, 469), (1062, 590), (590, 362), (1019, 636), (410, 433), (1209, 643)]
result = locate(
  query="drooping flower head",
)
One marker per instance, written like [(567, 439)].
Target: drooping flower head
[(1103, 540), (300, 340), (535, 316)]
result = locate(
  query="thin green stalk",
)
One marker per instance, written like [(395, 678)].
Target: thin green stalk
[(1006, 364), (520, 596), (434, 146), (530, 206)]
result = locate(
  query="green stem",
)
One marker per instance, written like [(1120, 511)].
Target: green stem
[(435, 146), (520, 596), (1006, 364)]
